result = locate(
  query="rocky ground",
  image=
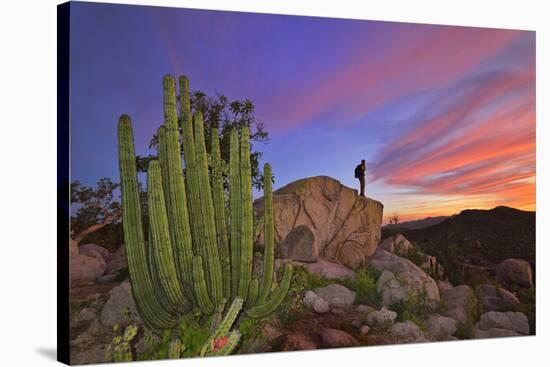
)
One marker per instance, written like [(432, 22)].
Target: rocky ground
[(348, 289)]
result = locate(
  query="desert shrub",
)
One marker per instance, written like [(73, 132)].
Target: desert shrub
[(364, 286), (414, 308), (416, 256), (528, 307), (249, 328), (473, 309)]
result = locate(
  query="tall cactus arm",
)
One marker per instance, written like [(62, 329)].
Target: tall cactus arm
[(220, 337), (161, 245), (201, 289), (219, 212), (155, 275), (147, 302), (223, 346), (276, 298), (253, 292), (208, 225), (230, 317), (269, 236), (161, 150), (178, 215), (236, 211), (247, 225), (192, 179), (174, 348)]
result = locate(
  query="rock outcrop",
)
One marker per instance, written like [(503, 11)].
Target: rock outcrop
[(495, 298), (346, 226), (336, 295), (400, 279), (514, 272), (498, 324), (460, 303), (399, 245)]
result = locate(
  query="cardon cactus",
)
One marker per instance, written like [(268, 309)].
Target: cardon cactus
[(197, 255)]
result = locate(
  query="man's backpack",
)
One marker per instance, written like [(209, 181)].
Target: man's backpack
[(358, 171)]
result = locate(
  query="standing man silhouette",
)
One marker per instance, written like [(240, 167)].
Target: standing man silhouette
[(360, 174)]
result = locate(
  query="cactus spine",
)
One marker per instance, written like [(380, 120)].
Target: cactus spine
[(193, 258)]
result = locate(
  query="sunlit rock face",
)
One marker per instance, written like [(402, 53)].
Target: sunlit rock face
[(346, 226)]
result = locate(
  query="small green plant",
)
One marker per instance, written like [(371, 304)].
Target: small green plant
[(119, 349), (364, 286), (527, 306), (414, 308)]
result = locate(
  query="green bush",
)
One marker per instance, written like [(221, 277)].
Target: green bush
[(364, 286), (414, 309)]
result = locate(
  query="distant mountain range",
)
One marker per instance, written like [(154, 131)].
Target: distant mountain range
[(477, 238), (417, 224)]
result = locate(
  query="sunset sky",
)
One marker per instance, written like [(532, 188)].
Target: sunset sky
[(444, 116)]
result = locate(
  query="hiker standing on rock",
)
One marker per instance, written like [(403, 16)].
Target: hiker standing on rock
[(360, 174)]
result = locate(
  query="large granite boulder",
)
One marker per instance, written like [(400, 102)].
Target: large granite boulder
[(460, 303), (400, 279), (496, 298), (120, 306), (440, 327), (116, 261), (382, 317), (407, 332), (334, 338), (514, 272), (315, 302), (336, 295), (346, 226), (399, 245), (91, 249), (86, 269), (499, 324), (396, 244)]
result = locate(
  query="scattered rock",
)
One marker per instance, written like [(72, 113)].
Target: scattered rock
[(364, 329), (514, 272), (298, 341), (120, 305), (336, 295), (400, 278), (330, 270), (300, 245), (460, 303), (396, 244), (443, 286), (116, 261), (493, 333), (316, 303), (106, 278), (93, 250), (515, 321), (85, 315), (86, 269), (364, 309), (346, 227), (440, 327), (382, 317), (497, 299), (400, 246), (334, 338), (406, 332)]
